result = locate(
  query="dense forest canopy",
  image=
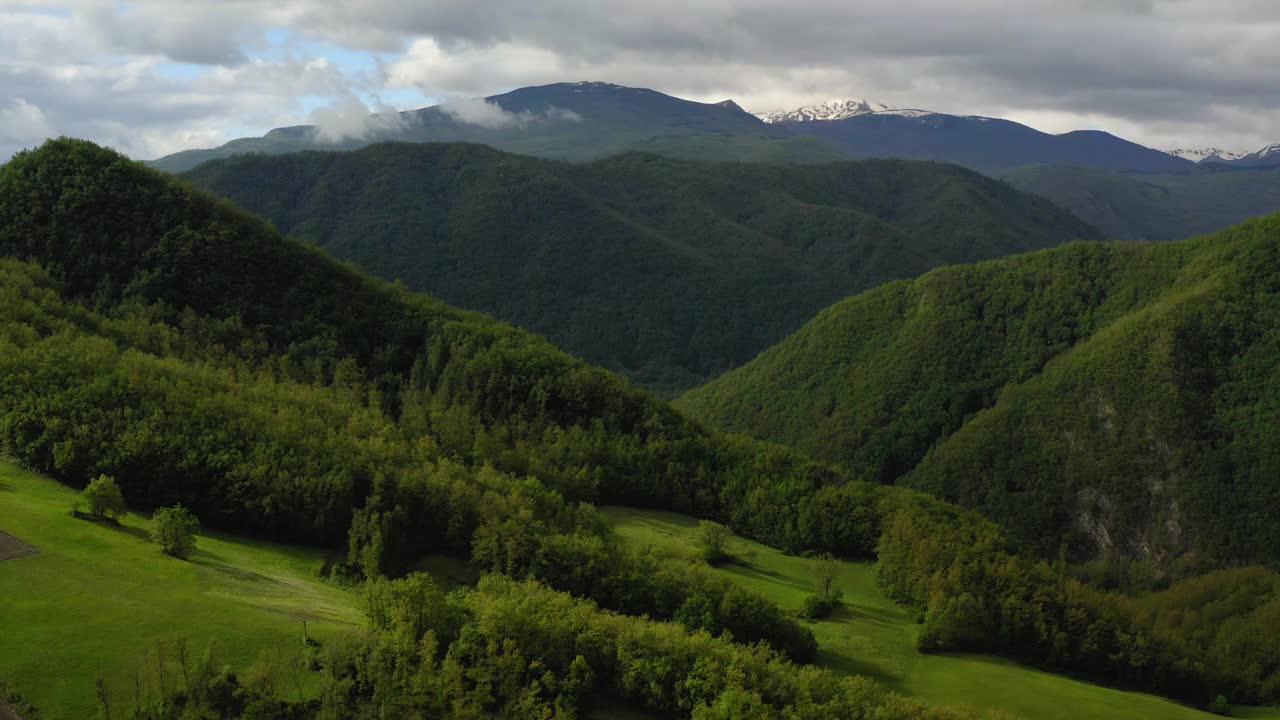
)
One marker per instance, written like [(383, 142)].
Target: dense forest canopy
[(1115, 398), (668, 271)]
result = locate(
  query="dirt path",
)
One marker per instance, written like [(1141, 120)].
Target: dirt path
[(7, 713), (10, 548)]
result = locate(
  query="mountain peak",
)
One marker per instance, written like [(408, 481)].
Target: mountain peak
[(729, 104), (835, 109)]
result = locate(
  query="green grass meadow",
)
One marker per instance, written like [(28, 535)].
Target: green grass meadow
[(870, 635), (96, 598)]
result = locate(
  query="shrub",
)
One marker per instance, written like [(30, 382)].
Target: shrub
[(713, 537), (174, 528), (104, 498)]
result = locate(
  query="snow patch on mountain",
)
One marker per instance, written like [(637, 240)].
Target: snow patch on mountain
[(1207, 154), (837, 109)]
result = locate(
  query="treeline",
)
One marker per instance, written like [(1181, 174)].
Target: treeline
[(1202, 638), (975, 593), (517, 650), (364, 417)]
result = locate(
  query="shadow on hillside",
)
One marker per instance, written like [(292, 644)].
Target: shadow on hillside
[(749, 570), (6, 487), (132, 530), (852, 666), (204, 558), (857, 613)]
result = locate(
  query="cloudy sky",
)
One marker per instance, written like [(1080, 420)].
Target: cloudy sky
[(154, 76)]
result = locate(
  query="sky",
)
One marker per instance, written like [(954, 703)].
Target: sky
[(151, 77)]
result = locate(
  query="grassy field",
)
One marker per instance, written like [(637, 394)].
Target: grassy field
[(872, 636), (96, 598)]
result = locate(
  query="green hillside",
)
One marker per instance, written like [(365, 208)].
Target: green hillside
[(1155, 206), (97, 598), (166, 339), (1112, 397), (665, 270)]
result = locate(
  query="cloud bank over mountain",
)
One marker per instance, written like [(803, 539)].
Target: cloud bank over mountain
[(154, 76)]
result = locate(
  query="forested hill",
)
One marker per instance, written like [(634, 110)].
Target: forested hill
[(1121, 397), (669, 271)]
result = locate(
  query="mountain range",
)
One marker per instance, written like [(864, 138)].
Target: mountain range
[(1128, 191), (568, 121), (592, 119)]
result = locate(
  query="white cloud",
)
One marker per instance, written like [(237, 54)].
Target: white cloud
[(487, 114), (350, 119), (22, 125), (470, 69)]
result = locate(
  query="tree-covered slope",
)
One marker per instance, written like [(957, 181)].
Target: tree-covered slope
[(1114, 397), (1155, 206), (182, 346), (669, 271)]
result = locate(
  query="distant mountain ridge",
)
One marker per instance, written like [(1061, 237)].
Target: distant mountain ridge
[(1114, 184), (982, 143), (587, 120), (1267, 156), (566, 121)]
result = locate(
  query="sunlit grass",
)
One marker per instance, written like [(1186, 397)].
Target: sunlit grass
[(870, 635), (97, 598)]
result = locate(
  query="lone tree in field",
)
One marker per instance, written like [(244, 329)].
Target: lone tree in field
[(826, 596), (175, 529), (713, 537), (104, 498)]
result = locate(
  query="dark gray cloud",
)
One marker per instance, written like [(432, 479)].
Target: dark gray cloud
[(1164, 72)]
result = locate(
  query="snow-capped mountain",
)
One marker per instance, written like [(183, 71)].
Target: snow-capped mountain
[(829, 110), (1268, 155), (1207, 154)]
